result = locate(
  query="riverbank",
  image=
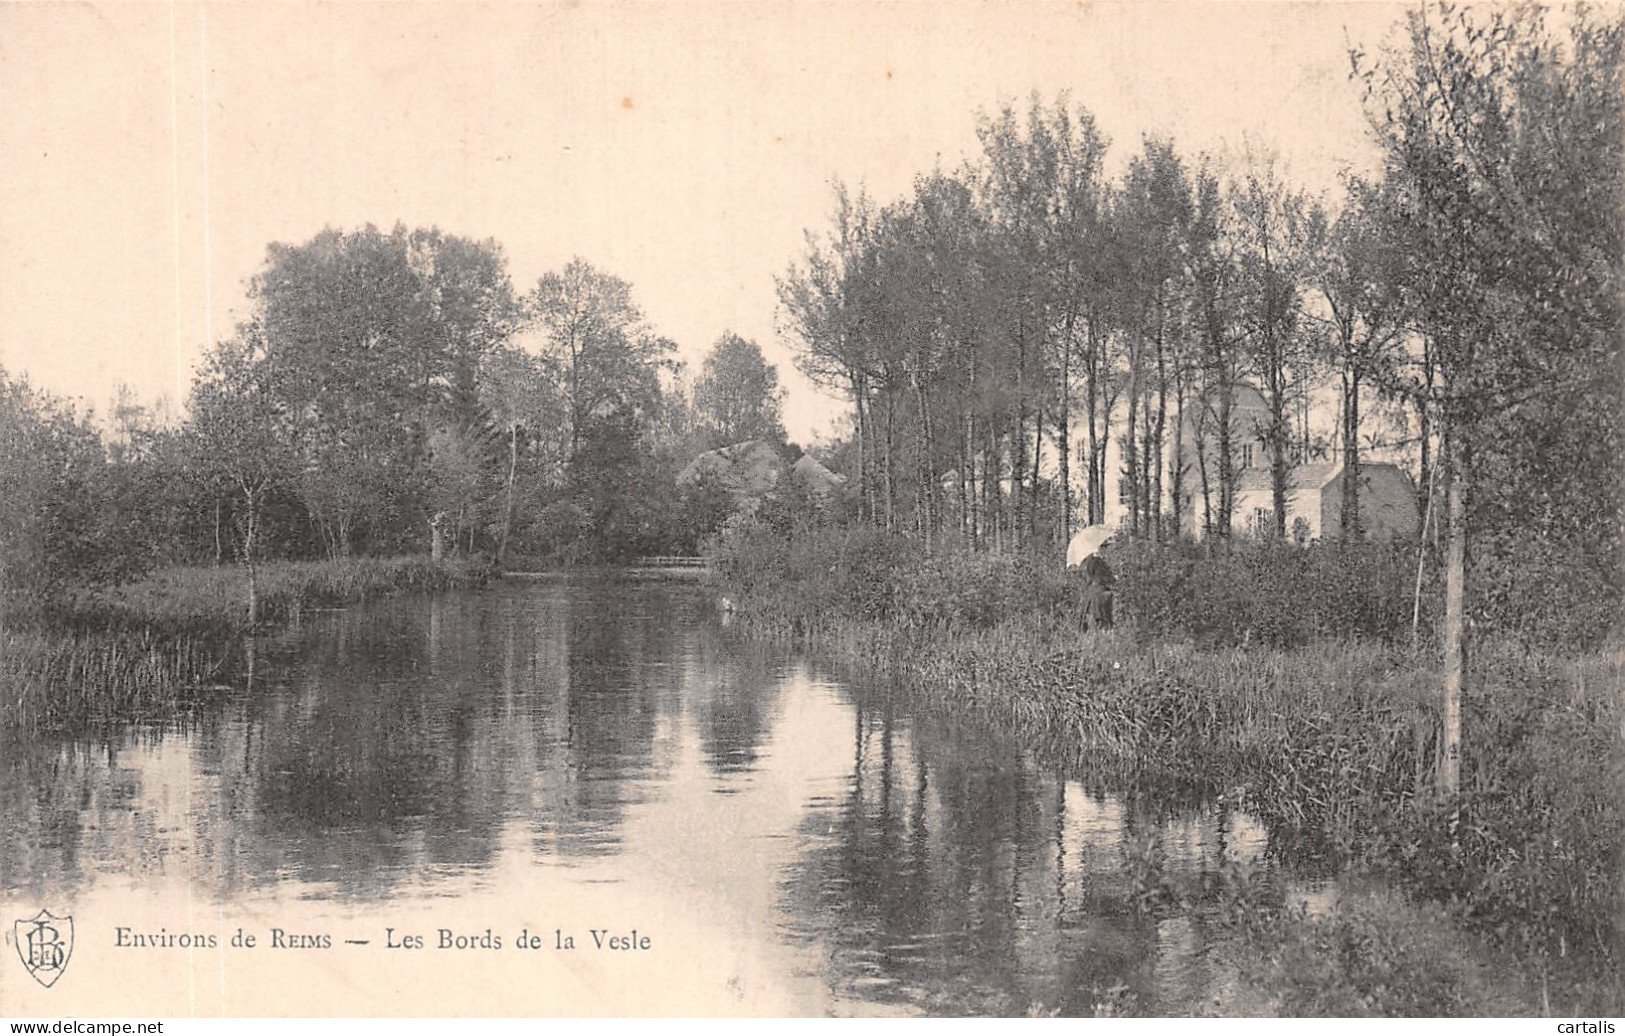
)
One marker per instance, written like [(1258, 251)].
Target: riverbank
[(1330, 746), (1330, 743), (132, 650)]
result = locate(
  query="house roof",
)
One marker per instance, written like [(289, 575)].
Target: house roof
[(1305, 476), (749, 468), (815, 476)]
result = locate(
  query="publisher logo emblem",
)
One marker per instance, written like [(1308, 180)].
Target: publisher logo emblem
[(45, 943)]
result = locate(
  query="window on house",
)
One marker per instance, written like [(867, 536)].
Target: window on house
[(1263, 521), (1247, 455)]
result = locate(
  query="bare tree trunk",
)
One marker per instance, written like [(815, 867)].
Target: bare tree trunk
[(1176, 461), (1227, 468), (1032, 474), (1090, 403), (1421, 562), (1064, 421), (250, 544), (891, 497), (1349, 523), (1159, 434), (993, 485), (866, 500), (1148, 466), (1455, 599), (437, 536), (1130, 453), (1280, 439), (507, 510), (927, 477), (1018, 447), (1204, 420), (1424, 413)]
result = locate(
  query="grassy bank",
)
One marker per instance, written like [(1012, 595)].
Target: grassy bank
[(133, 650), (1331, 743)]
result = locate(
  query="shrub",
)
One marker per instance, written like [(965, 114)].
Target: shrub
[(1270, 592)]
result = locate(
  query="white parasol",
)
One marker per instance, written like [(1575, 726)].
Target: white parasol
[(1086, 543)]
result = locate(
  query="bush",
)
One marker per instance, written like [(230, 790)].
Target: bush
[(1270, 592), (1545, 592), (830, 574)]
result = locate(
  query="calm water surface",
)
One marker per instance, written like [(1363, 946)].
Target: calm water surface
[(558, 757)]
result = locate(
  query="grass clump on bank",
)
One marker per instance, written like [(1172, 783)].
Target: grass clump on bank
[(179, 596), (134, 650), (1330, 740)]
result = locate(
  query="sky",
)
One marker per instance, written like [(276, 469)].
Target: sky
[(151, 151)]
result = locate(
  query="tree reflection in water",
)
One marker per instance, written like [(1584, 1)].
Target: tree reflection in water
[(420, 747), (959, 876)]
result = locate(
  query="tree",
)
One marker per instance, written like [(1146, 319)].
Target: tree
[(243, 432), (1515, 245), (51, 492), (826, 301), (609, 364), (737, 395), (610, 360), (469, 313), (1212, 267), (1358, 278), (377, 339), (1269, 221), (1152, 215), (522, 394)]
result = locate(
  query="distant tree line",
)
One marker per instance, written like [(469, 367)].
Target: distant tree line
[(389, 393)]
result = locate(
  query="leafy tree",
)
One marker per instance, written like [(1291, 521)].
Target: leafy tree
[(737, 395), (1351, 263), (376, 341), (1505, 186), (1269, 229), (609, 359), (246, 435), (826, 301), (609, 366), (51, 494), (1152, 213), (522, 394), (343, 324)]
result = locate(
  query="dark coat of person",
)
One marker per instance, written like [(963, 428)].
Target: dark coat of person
[(1097, 593)]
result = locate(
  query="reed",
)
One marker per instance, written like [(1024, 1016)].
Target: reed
[(138, 650)]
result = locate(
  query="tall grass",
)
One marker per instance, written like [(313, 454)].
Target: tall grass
[(135, 650), (53, 679)]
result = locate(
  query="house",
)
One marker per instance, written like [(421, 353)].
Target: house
[(1315, 502), (817, 479), (1387, 503), (1198, 439), (748, 470), (1387, 493), (754, 469)]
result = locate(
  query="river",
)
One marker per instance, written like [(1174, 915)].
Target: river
[(547, 761)]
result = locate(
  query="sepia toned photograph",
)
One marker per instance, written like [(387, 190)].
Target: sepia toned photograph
[(812, 509)]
